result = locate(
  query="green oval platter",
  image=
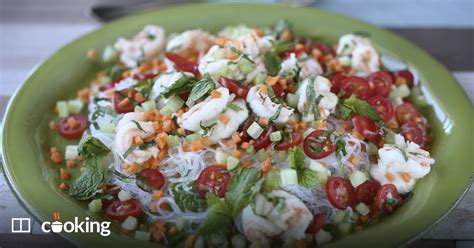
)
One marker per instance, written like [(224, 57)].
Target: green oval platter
[(26, 137)]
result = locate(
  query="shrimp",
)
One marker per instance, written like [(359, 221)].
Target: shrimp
[(163, 82), (365, 60), (129, 127), (236, 115), (309, 66), (207, 110), (146, 45), (258, 229), (322, 86), (190, 43), (262, 105)]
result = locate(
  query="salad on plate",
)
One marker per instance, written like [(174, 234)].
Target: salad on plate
[(247, 137)]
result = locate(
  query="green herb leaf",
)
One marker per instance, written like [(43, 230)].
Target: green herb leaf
[(143, 146), (244, 55), (201, 89), (207, 129), (307, 178), (188, 201), (182, 85), (218, 225), (296, 158), (91, 147), (357, 106), (86, 185), (234, 107), (138, 126), (272, 63), (242, 187)]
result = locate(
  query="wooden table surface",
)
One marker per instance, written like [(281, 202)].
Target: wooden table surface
[(31, 30)]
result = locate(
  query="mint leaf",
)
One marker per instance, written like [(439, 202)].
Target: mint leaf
[(182, 85), (86, 185), (357, 106), (296, 158), (272, 63), (307, 178), (188, 201), (90, 147), (241, 189), (217, 228), (201, 89)]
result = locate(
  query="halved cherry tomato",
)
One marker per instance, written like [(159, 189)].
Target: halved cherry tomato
[(111, 84), (182, 64), (213, 179), (326, 49), (380, 83), (366, 127), (317, 145), (318, 222), (244, 136), (110, 195), (340, 192), (233, 87), (407, 112), (295, 139), (278, 90), (366, 191), (118, 97), (146, 76), (387, 199), (120, 210), (412, 132), (336, 80), (75, 132), (405, 74), (383, 106), (151, 178), (264, 139), (356, 85)]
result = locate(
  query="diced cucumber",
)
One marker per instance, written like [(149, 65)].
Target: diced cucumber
[(138, 109), (344, 228), (175, 103), (173, 140), (261, 155), (75, 106), (272, 181), (322, 237), (255, 130), (95, 206), (148, 105), (389, 138), (362, 208), (71, 152), (130, 223), (245, 66), (373, 149), (357, 178), (107, 127), (192, 137), (275, 136), (345, 61), (63, 110), (260, 79), (288, 177), (238, 241), (308, 118), (339, 216), (181, 224), (323, 172), (232, 163), (403, 91), (292, 100), (141, 235), (281, 155), (166, 110), (124, 195), (109, 55), (221, 156), (250, 150)]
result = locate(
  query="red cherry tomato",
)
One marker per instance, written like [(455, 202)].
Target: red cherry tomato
[(263, 140), (244, 136), (213, 179), (387, 199), (75, 132), (380, 83), (110, 195), (327, 50), (366, 191), (407, 75), (340, 192), (151, 178), (120, 210), (182, 64), (317, 145), (412, 132), (278, 90), (318, 222), (111, 84), (336, 80), (366, 127), (296, 139), (383, 106), (356, 85), (233, 87), (143, 77), (407, 112), (118, 97)]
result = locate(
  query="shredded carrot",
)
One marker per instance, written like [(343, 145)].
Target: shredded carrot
[(145, 67), (124, 166), (321, 125), (259, 32), (283, 82), (263, 121), (52, 125), (206, 141), (354, 160), (161, 140), (236, 138), (390, 176), (150, 115), (392, 124), (63, 186), (272, 80), (400, 80), (406, 177), (72, 122), (237, 154), (181, 131), (252, 142), (173, 231), (137, 140), (220, 41), (168, 125), (56, 157), (64, 174), (216, 94), (124, 103), (245, 145), (263, 89), (266, 165), (157, 194), (186, 146), (166, 117), (78, 158), (224, 118), (139, 97), (153, 208), (196, 145), (92, 53), (286, 35), (70, 163)]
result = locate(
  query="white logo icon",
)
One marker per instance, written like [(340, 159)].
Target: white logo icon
[(21, 225), (85, 226)]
